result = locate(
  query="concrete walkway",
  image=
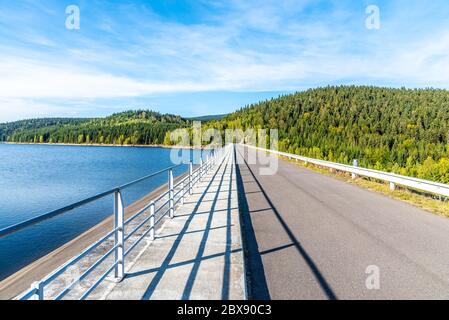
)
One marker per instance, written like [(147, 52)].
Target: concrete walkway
[(196, 255)]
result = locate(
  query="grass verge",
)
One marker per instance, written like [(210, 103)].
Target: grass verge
[(428, 202)]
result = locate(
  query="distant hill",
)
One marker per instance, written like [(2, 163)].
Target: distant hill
[(400, 130), (130, 127), (208, 118), (8, 129)]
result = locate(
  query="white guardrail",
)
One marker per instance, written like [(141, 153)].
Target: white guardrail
[(150, 216), (394, 179)]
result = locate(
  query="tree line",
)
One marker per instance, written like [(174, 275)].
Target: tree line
[(140, 127), (399, 130)]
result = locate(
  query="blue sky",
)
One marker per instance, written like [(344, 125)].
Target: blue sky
[(208, 57)]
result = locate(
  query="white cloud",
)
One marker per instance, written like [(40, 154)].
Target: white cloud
[(12, 109), (31, 79), (249, 46)]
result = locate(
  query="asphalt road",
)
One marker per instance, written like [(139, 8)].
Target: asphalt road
[(310, 236)]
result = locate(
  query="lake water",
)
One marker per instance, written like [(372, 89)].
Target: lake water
[(35, 179)]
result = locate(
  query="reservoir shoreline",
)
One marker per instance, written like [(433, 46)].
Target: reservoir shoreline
[(110, 145)]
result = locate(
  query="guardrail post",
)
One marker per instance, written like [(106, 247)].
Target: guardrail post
[(392, 186), (119, 217), (152, 212), (190, 177), (355, 163), (171, 193)]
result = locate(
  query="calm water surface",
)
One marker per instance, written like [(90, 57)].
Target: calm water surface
[(35, 179)]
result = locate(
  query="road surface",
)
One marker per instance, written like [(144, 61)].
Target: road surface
[(310, 236)]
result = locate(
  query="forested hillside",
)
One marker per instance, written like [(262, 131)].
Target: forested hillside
[(131, 127), (399, 130), (8, 129)]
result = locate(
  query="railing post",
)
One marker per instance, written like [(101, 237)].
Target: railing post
[(355, 163), (40, 290), (119, 217), (171, 193), (182, 193), (190, 177), (392, 186), (201, 169), (152, 212)]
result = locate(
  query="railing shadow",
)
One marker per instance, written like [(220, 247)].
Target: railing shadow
[(166, 264), (197, 261), (258, 284), (180, 264), (227, 257)]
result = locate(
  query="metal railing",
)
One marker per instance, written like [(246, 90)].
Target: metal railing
[(185, 186), (394, 179)]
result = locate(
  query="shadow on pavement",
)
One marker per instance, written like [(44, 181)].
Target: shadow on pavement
[(258, 285)]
